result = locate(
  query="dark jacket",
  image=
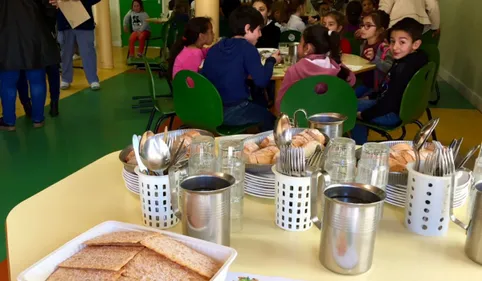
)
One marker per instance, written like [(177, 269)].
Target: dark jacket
[(270, 36), (26, 41), (63, 24), (229, 63), (389, 99)]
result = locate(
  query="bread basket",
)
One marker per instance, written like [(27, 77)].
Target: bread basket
[(257, 139)]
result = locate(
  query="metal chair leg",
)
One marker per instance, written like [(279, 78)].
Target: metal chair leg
[(151, 117), (159, 121), (404, 133), (419, 124), (437, 91), (429, 116), (146, 47)]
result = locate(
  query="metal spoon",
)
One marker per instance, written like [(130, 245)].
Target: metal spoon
[(420, 139), (135, 146), (281, 126), (155, 154), (175, 158), (467, 157), (144, 138)]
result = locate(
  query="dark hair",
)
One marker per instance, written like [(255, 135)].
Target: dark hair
[(293, 5), (353, 12), (267, 3), (138, 2), (279, 6), (325, 42), (381, 21), (242, 16), (194, 27), (410, 26), (339, 17)]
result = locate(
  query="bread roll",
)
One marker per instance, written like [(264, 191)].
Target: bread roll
[(397, 156), (401, 146), (395, 166), (299, 141), (310, 148), (268, 141), (265, 155), (408, 155), (250, 147), (317, 135)]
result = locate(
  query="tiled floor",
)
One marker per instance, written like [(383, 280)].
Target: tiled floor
[(93, 124)]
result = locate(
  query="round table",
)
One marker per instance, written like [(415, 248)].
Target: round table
[(96, 193)]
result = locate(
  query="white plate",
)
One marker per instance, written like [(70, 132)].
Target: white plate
[(258, 183), (261, 176), (259, 196), (260, 179), (268, 188)]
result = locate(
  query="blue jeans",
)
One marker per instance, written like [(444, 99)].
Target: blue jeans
[(38, 91), (53, 75), (360, 132), (85, 41), (362, 91), (249, 113)]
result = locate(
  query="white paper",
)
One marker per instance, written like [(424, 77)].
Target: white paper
[(233, 276), (354, 67)]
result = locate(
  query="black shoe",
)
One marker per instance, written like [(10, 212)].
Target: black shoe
[(5, 127), (54, 108), (28, 110)]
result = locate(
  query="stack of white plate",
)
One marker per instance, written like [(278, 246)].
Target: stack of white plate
[(396, 194), (259, 185), (131, 181)]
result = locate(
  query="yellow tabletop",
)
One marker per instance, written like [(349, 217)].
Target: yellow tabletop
[(157, 20), (96, 194)]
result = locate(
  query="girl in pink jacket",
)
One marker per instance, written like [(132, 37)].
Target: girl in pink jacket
[(319, 53)]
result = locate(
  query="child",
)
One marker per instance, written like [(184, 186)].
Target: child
[(295, 9), (231, 61), (335, 21), (368, 7), (405, 40), (188, 52), (325, 8), (353, 13), (278, 14), (319, 51), (270, 34), (136, 20)]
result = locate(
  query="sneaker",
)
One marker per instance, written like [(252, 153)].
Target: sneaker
[(5, 127), (140, 55), (95, 86), (38, 124), (64, 85), (76, 57)]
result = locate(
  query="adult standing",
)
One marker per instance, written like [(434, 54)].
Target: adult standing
[(84, 36), (27, 44), (426, 12)]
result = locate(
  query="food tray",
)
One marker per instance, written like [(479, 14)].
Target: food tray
[(257, 139), (41, 270), (400, 178)]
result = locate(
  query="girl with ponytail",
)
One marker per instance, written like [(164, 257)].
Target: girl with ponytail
[(189, 52), (319, 53)]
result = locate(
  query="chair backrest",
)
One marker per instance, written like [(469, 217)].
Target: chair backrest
[(417, 94), (150, 81), (355, 45), (433, 54), (338, 98), (176, 30), (196, 101), (289, 36)]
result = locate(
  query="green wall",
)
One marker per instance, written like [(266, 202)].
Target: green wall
[(153, 8), (461, 44)]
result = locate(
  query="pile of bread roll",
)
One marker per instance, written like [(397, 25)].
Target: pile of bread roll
[(401, 154), (266, 152)]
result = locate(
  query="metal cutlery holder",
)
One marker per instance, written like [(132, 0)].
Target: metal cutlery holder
[(155, 197), (427, 203), (293, 202)]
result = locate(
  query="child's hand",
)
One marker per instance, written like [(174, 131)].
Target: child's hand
[(358, 33), (358, 115), (277, 56), (312, 20), (369, 53)]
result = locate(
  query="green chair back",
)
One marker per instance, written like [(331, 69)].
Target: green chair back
[(339, 98), (354, 44), (417, 94), (290, 36), (176, 30), (151, 83), (196, 101), (433, 54)]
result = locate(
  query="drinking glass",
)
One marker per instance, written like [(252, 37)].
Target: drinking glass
[(201, 159), (373, 166), (230, 161), (340, 161)]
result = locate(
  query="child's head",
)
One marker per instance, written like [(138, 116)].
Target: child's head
[(325, 8), (278, 12), (373, 26), (334, 21), (137, 6), (405, 37), (246, 21), (296, 7), (353, 12), (368, 6), (264, 7)]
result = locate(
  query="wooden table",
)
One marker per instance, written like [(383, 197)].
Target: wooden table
[(157, 20), (96, 193)]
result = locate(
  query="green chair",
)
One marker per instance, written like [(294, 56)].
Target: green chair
[(414, 103), (162, 37), (355, 45), (339, 98), (198, 104), (164, 105), (290, 36), (433, 54)]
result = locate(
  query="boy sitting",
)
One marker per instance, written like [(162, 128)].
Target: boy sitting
[(405, 39), (231, 61)]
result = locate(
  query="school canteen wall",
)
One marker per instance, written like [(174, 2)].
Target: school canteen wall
[(461, 47)]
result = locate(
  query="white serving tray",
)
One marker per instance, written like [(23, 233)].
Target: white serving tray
[(233, 276), (41, 270)]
